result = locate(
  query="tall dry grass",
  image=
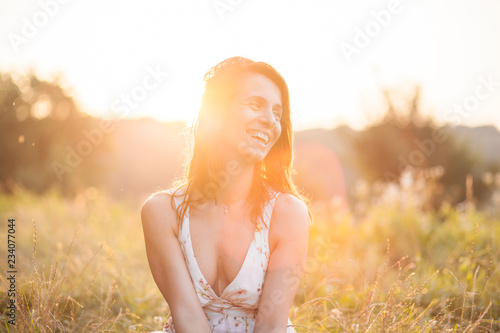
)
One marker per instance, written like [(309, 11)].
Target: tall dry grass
[(392, 268)]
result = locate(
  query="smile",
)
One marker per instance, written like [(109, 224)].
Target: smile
[(260, 137)]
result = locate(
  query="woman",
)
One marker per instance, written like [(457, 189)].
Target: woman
[(235, 229)]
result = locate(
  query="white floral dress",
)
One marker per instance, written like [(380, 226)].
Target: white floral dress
[(236, 308)]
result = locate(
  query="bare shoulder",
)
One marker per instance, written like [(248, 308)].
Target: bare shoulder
[(157, 213), (290, 217)]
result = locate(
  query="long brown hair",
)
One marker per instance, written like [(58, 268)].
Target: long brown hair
[(205, 173)]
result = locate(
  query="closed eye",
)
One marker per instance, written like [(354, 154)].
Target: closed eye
[(255, 105), (277, 114)]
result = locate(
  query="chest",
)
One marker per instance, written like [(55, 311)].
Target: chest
[(221, 243)]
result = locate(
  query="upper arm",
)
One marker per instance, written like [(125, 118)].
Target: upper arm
[(166, 260), (290, 222)]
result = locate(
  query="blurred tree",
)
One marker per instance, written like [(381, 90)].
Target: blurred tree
[(38, 122), (404, 138)]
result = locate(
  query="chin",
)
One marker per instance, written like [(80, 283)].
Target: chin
[(251, 152), (253, 155)]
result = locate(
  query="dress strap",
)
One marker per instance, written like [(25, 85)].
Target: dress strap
[(268, 209), (177, 199)]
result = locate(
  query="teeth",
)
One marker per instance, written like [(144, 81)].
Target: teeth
[(260, 135)]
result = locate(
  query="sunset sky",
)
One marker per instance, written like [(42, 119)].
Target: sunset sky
[(334, 55)]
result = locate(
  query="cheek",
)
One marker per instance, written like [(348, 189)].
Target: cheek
[(277, 132)]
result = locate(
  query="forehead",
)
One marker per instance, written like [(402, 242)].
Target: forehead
[(259, 85)]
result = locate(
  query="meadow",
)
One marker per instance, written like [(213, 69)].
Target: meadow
[(390, 265)]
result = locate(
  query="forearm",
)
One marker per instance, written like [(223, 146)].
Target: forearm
[(269, 329), (190, 323)]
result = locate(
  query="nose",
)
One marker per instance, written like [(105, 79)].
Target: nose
[(267, 118)]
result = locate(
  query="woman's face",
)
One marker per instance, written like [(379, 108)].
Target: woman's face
[(252, 125)]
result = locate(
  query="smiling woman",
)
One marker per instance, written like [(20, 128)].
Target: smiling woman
[(226, 246)]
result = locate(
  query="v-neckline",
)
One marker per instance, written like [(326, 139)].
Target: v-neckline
[(198, 267)]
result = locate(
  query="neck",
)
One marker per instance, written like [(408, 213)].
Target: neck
[(238, 185)]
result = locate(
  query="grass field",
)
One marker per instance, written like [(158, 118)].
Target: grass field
[(81, 267)]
